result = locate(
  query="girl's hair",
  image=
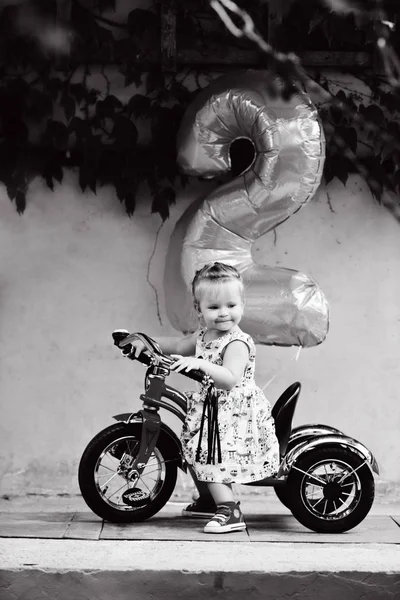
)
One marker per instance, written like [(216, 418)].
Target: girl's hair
[(214, 273)]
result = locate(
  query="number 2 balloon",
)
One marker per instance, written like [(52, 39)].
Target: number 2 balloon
[(283, 306)]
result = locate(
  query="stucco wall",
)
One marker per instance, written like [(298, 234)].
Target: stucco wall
[(74, 267)]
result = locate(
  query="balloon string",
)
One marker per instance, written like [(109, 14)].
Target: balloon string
[(210, 412), (295, 357)]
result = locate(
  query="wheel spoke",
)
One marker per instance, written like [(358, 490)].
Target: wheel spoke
[(317, 502), (108, 480), (108, 468), (144, 483), (321, 481), (116, 491), (326, 473), (351, 472)]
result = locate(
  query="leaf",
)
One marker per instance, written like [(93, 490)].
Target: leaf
[(52, 170), (388, 151), (141, 20), (376, 188), (57, 133), (91, 96), (349, 136), (106, 108), (389, 100), (16, 130), (54, 85), (155, 81), (87, 177), (316, 21), (184, 179), (394, 129), (139, 105), (40, 105), (130, 201), (57, 172), (104, 5), (162, 201), (80, 127), (20, 201), (120, 191), (78, 91), (337, 113), (181, 93), (133, 76), (68, 104), (373, 113), (279, 8), (338, 166), (12, 191), (124, 132)]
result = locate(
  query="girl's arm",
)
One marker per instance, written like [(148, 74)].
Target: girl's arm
[(226, 376), (185, 346)]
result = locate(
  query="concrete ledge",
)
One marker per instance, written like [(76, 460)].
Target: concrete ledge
[(224, 586), (143, 570)]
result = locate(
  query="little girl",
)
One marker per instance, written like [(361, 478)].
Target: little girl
[(249, 449)]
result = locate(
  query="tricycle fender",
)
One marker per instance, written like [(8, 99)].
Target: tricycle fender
[(171, 440), (304, 433), (325, 441), (312, 430)]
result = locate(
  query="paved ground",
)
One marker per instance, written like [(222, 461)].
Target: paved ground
[(56, 548), (267, 521)]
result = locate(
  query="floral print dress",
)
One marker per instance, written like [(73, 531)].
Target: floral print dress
[(249, 447)]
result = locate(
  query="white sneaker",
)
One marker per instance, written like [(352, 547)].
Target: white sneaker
[(227, 518)]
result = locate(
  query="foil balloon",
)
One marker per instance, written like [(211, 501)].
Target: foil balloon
[(283, 306)]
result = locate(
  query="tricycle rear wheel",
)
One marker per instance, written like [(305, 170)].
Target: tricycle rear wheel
[(283, 493), (331, 489)]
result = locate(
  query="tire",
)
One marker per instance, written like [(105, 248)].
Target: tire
[(283, 494), (103, 455), (332, 506)]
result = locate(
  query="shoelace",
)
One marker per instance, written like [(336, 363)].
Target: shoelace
[(222, 514)]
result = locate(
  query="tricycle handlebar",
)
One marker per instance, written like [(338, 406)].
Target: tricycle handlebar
[(123, 340)]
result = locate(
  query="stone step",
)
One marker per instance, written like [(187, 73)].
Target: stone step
[(34, 569), (56, 548)]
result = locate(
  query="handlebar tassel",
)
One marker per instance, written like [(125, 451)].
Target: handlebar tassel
[(210, 413)]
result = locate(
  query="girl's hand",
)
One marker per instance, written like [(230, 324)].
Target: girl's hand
[(137, 348), (185, 363)]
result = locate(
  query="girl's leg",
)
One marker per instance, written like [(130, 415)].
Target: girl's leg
[(202, 486), (221, 492)]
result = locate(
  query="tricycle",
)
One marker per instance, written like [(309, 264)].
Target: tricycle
[(128, 471)]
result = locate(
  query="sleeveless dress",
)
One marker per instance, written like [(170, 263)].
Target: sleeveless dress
[(249, 446)]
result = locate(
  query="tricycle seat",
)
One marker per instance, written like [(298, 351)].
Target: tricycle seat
[(282, 413)]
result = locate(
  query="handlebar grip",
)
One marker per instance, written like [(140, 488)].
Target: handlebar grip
[(196, 374), (143, 358)]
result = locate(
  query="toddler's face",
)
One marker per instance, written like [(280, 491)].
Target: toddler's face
[(221, 306)]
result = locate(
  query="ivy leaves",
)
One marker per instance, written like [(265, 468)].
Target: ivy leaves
[(369, 146), (54, 121)]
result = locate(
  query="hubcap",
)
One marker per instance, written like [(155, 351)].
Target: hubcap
[(113, 476), (333, 491), (330, 489)]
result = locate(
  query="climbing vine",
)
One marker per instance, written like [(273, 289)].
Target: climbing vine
[(59, 107)]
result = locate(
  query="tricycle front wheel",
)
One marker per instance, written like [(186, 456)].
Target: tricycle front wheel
[(104, 477), (331, 490)]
